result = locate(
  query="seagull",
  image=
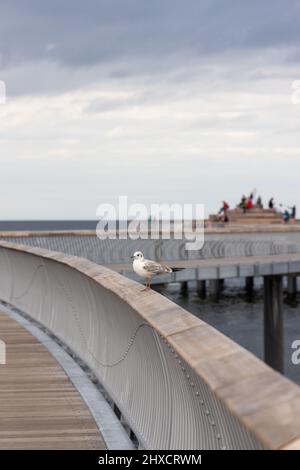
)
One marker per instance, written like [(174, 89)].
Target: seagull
[(147, 268)]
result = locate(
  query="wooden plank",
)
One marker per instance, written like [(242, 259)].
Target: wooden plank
[(39, 406)]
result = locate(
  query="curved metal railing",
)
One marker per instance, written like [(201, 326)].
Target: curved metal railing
[(180, 383), (217, 244)]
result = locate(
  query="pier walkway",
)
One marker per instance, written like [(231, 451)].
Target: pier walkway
[(40, 407)]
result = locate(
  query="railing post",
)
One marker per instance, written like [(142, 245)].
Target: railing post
[(273, 322)]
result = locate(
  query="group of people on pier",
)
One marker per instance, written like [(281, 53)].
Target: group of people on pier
[(248, 203)]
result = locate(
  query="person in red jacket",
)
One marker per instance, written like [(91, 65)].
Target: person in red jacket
[(250, 200), (223, 212), (225, 206)]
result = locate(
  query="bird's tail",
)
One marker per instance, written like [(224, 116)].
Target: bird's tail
[(174, 269)]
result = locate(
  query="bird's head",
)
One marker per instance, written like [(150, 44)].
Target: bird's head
[(138, 255)]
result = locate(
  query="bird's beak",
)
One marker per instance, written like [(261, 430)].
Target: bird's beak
[(132, 257)]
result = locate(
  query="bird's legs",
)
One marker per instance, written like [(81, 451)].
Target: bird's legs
[(147, 286)]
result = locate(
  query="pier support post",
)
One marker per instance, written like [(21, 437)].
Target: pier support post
[(273, 322), (292, 287), (201, 289), (214, 289), (184, 289), (249, 285)]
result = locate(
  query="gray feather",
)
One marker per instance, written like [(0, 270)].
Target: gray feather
[(156, 268)]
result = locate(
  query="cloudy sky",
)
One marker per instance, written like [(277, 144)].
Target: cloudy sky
[(162, 101)]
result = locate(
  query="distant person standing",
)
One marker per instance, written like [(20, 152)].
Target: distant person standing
[(252, 194), (243, 204), (259, 203), (286, 216), (271, 203), (223, 212), (224, 207), (293, 212)]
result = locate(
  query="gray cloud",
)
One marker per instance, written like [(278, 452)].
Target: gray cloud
[(80, 34)]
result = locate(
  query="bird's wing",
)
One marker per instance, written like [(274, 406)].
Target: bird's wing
[(152, 267)]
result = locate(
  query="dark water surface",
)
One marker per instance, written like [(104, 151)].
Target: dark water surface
[(241, 319), (20, 225)]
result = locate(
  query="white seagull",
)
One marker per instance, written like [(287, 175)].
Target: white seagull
[(147, 268)]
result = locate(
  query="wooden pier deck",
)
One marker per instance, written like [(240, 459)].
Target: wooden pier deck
[(39, 406)]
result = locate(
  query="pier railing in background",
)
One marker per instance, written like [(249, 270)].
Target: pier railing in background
[(179, 383), (219, 243)]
